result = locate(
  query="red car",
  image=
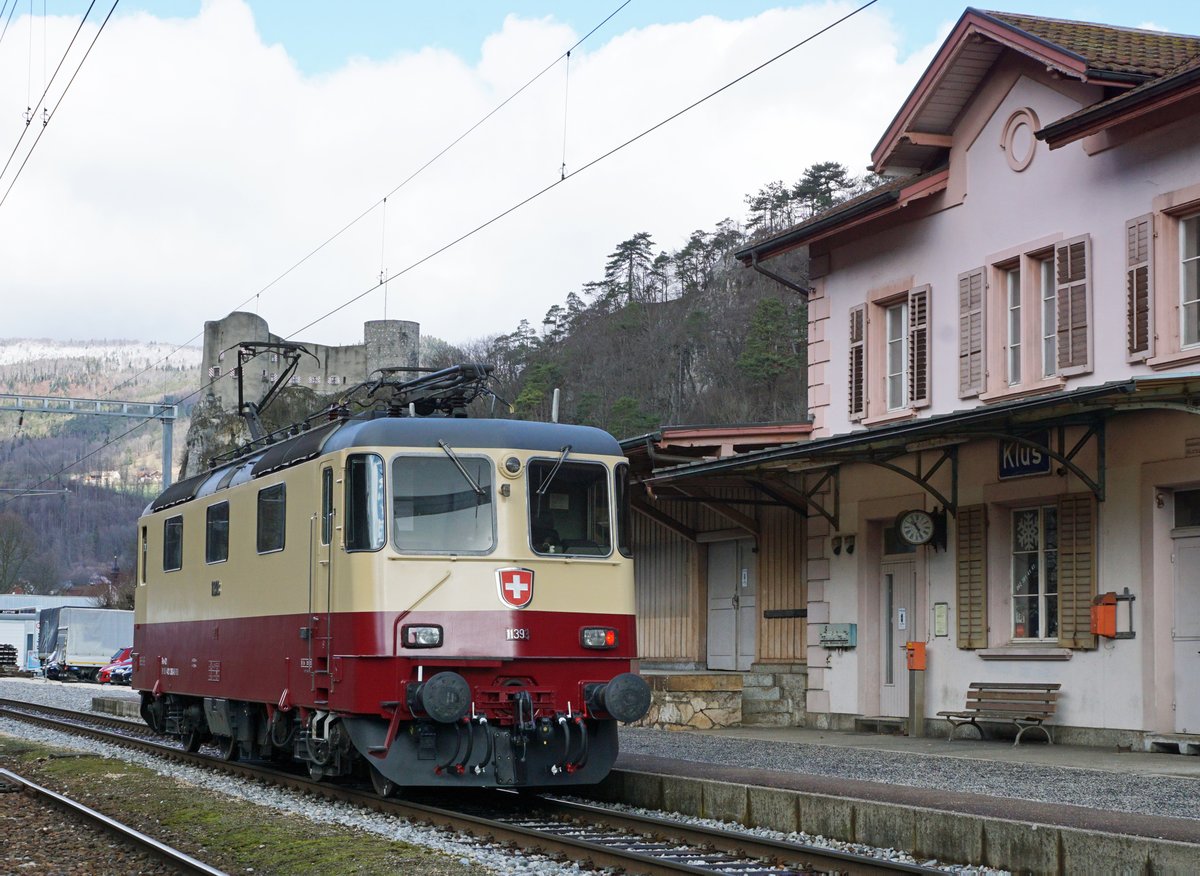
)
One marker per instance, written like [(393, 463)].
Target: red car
[(121, 658)]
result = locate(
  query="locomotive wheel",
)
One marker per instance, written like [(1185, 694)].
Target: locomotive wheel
[(228, 747), (192, 740), (383, 786)]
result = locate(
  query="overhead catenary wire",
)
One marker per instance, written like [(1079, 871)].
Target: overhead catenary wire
[(382, 256), (542, 191), (562, 170), (337, 234), (8, 20), (491, 221), (66, 88), (42, 99)]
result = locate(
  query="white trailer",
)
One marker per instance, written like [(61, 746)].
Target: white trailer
[(79, 641)]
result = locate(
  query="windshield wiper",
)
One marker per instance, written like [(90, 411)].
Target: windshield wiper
[(541, 491), (462, 469)]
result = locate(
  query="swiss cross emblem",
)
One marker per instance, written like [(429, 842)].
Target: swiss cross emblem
[(515, 586)]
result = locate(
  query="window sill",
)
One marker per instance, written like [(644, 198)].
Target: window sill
[(1049, 384), (890, 417), (1170, 360), (1025, 652)]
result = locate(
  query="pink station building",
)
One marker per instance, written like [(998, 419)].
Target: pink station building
[(1004, 380)]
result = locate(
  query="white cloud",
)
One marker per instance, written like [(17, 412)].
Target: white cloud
[(191, 164)]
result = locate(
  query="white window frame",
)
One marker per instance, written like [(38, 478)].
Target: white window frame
[(1012, 287), (1040, 555), (1049, 315), (1184, 302), (896, 340)]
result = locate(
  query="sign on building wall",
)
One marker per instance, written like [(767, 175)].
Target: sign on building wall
[(1018, 460)]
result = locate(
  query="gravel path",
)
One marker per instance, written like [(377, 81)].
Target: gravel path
[(1099, 789)]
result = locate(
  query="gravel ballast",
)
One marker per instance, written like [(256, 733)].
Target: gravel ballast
[(78, 696)]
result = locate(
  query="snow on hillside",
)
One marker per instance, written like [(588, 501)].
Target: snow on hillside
[(117, 353)]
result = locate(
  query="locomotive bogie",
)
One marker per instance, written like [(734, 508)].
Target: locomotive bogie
[(427, 610)]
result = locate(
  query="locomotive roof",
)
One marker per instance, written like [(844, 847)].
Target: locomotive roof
[(421, 432)]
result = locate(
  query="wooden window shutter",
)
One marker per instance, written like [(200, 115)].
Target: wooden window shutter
[(918, 347), (971, 557), (971, 365), (1072, 264), (858, 362), (1139, 288), (1076, 569)]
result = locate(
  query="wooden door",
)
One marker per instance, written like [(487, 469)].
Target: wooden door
[(732, 604)]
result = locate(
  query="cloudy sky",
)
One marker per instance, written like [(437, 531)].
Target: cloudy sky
[(206, 148)]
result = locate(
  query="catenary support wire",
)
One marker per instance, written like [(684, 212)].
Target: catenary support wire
[(257, 295), (537, 194)]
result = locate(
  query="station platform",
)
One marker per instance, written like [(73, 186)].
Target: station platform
[(1030, 751), (1034, 808)]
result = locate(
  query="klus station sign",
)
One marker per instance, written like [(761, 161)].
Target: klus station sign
[(515, 586), (1020, 460)]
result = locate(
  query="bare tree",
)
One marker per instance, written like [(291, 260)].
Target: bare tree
[(17, 545)]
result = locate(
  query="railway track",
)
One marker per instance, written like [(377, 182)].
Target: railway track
[(172, 857), (591, 835)]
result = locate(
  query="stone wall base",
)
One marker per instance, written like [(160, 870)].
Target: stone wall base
[(699, 701)]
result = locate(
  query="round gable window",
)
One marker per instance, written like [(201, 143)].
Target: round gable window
[(1018, 142)]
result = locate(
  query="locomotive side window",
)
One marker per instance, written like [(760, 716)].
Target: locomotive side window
[(172, 544), (366, 517), (272, 514), (624, 541), (569, 508), (438, 507), (326, 505), (216, 533)]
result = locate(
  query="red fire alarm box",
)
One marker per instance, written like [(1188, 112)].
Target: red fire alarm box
[(1104, 615), (915, 653)]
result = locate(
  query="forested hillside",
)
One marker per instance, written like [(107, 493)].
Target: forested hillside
[(674, 336), (75, 533)]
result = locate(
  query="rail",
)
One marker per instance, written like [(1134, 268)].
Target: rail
[(632, 842), (182, 862)]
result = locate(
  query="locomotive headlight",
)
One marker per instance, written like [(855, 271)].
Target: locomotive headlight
[(598, 637), (421, 636)]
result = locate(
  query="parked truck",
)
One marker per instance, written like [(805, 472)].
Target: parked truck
[(77, 642)]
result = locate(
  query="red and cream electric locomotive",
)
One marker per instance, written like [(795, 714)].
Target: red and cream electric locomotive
[(406, 593)]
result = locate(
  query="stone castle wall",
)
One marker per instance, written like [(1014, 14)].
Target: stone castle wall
[(387, 344)]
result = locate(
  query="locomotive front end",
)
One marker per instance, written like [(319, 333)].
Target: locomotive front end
[(505, 592)]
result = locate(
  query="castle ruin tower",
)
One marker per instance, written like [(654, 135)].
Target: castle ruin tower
[(392, 343)]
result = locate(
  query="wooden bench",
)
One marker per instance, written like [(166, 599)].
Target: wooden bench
[(1025, 705)]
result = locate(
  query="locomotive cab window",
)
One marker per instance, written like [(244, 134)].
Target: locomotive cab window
[(173, 544), (443, 504), (216, 533), (569, 510), (326, 505), (366, 520), (624, 541), (272, 516)]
